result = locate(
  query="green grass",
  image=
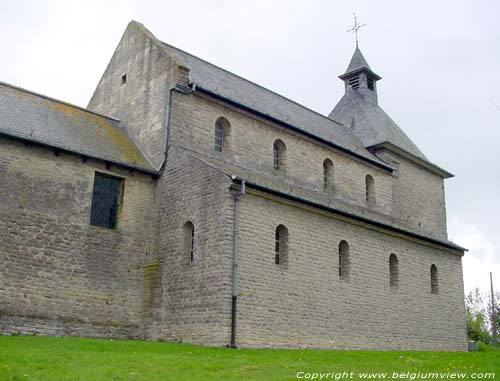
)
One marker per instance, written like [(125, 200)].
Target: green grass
[(65, 358)]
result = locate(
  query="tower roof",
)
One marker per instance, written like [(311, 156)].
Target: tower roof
[(358, 63), (359, 111)]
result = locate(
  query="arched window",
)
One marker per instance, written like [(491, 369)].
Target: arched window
[(189, 240), (434, 279), (344, 260), (222, 132), (370, 190), (280, 245), (327, 175), (393, 270), (279, 155)]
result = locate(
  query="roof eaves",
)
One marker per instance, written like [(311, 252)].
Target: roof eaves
[(417, 160), (277, 192), (357, 71), (46, 143)]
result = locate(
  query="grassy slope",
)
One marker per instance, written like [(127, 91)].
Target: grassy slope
[(49, 358)]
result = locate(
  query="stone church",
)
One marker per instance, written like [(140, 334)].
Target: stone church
[(187, 203)]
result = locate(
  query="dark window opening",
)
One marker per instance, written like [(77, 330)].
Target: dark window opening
[(189, 240), (327, 175), (222, 132), (370, 190), (354, 82), (344, 260), (124, 79), (393, 270), (434, 280), (371, 83), (279, 155), (106, 198), (280, 245), (277, 247)]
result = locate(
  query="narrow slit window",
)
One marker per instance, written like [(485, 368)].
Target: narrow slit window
[(106, 198), (327, 175), (370, 190), (277, 247), (344, 260), (124, 79), (219, 137), (434, 280), (279, 155), (280, 245), (393, 270), (221, 134), (189, 240)]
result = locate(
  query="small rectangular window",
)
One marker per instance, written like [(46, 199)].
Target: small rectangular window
[(124, 79), (106, 197)]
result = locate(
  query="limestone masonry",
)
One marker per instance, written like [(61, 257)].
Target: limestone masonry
[(187, 203)]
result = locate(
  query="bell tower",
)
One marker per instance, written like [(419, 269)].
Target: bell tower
[(360, 79)]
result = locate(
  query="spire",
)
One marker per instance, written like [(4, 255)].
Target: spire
[(357, 65), (357, 62)]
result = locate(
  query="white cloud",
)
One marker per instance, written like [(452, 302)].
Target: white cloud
[(481, 258)]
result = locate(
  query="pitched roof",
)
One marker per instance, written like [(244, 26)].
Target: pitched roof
[(242, 91), (40, 119), (371, 123), (359, 111), (358, 62)]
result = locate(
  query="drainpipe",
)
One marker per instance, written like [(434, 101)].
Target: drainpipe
[(167, 127), (234, 298)]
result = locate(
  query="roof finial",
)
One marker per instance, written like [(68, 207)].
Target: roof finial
[(356, 27)]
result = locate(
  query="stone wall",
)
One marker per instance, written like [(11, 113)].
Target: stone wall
[(141, 102), (418, 196), (196, 301), (305, 303), (251, 146), (58, 274)]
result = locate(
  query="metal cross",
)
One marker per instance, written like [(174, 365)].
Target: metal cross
[(356, 27)]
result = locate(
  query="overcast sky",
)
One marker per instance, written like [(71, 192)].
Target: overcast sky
[(440, 63)]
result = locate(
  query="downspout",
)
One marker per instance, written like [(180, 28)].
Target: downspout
[(167, 127), (234, 297)]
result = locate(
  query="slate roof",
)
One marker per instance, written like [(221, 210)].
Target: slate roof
[(371, 123), (358, 62), (319, 199), (253, 96), (362, 116), (40, 119)]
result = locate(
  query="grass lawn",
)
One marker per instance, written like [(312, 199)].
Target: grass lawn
[(65, 358)]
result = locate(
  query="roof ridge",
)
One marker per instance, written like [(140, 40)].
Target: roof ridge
[(253, 83), (56, 100)]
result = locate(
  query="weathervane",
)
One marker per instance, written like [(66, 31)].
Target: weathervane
[(356, 27)]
